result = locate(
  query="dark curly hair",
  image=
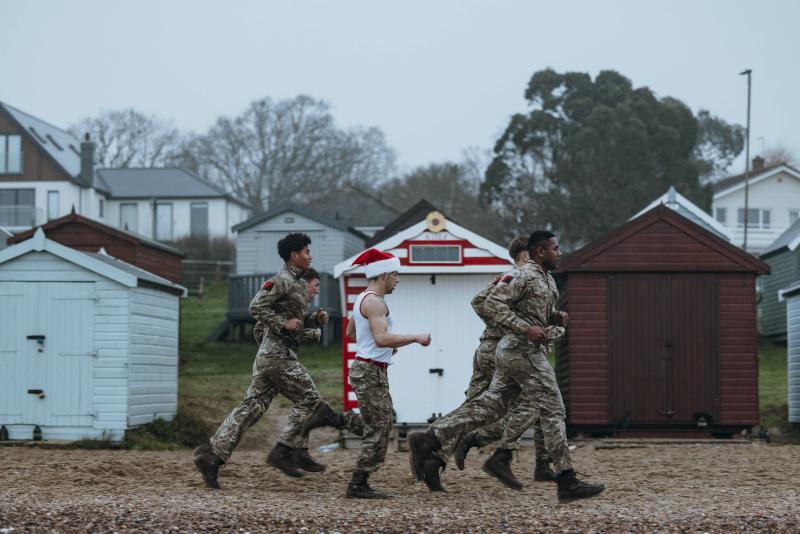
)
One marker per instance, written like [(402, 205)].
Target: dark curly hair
[(292, 243)]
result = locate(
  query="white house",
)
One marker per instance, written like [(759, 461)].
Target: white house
[(773, 204), (443, 266), (45, 173), (89, 346)]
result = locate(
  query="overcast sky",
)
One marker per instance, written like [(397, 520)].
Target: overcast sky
[(436, 76)]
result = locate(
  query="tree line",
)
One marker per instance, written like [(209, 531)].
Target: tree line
[(584, 156)]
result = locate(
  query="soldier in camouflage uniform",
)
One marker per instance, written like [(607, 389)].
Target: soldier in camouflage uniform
[(524, 305), (282, 323), (483, 367)]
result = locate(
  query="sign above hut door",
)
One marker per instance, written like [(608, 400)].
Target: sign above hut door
[(663, 348)]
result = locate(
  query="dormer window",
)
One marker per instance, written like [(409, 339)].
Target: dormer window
[(10, 154), (435, 254)]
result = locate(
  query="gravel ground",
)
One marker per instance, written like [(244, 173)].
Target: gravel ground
[(665, 488)]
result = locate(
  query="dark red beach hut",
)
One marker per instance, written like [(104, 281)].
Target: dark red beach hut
[(662, 338)]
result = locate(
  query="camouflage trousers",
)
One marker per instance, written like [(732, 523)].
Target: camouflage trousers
[(371, 386), (524, 390), (275, 370), (483, 368)]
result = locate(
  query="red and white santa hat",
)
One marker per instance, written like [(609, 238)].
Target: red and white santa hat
[(376, 262)]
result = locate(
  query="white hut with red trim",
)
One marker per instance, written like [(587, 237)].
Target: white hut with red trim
[(442, 266)]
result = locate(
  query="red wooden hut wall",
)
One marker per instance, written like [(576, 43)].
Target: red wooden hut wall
[(660, 273)]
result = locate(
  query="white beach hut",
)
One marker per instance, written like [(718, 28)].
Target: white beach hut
[(89, 344)]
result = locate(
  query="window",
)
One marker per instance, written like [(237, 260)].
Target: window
[(100, 207), (793, 216), (199, 219), (52, 205), (722, 215), (10, 154), (435, 254), (756, 218), (164, 222), (17, 207), (129, 217)]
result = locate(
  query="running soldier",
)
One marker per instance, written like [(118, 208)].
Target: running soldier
[(523, 305), (483, 367), (370, 326), (282, 323)]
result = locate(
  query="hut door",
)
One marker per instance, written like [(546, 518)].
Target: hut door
[(663, 348)]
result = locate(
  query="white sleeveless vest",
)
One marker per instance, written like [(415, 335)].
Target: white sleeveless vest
[(365, 343)]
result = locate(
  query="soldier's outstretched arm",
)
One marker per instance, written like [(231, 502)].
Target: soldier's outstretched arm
[(375, 311), (508, 290), (480, 299), (262, 307)]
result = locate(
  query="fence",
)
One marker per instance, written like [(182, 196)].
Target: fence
[(195, 273)]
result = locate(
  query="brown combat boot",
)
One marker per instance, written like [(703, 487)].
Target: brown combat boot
[(301, 458), (322, 415), (543, 472), (359, 489), (208, 464), (465, 443), (422, 445), (280, 457), (430, 473), (570, 488), (499, 466)]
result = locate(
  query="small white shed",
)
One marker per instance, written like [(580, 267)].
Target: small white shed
[(792, 297), (442, 266), (89, 344)]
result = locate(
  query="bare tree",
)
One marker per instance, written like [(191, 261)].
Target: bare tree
[(128, 138), (289, 150), (780, 154)]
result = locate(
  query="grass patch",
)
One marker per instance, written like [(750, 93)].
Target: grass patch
[(773, 389)]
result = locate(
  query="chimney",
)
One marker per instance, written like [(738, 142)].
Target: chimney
[(758, 163), (87, 161)]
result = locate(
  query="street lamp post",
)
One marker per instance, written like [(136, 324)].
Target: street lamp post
[(748, 73)]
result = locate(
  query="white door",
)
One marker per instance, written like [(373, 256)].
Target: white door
[(430, 381)]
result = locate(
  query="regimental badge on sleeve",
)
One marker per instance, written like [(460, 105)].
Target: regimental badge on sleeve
[(267, 285), (507, 279)]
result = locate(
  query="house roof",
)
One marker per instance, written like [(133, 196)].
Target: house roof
[(789, 239), (734, 183), (60, 145), (737, 259), (354, 207), (111, 268), (790, 291), (305, 212), (405, 220), (166, 182), (679, 203), (73, 217)]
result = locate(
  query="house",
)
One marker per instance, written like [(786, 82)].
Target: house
[(45, 173), (688, 209), (783, 257), (443, 266), (773, 204), (89, 346), (790, 296), (355, 207), (257, 257), (81, 233), (170, 203), (662, 337)]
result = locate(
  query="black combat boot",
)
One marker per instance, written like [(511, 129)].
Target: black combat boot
[(422, 445), (570, 488), (208, 464), (280, 457), (322, 415), (465, 443), (301, 458), (359, 489), (499, 466), (430, 473), (543, 472)]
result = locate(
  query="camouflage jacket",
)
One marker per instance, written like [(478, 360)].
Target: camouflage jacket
[(492, 331), (284, 297), (523, 299)]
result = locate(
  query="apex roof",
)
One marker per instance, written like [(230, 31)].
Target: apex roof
[(735, 182), (789, 239), (675, 201)]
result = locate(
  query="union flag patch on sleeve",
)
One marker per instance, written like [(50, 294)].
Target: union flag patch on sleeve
[(267, 285)]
